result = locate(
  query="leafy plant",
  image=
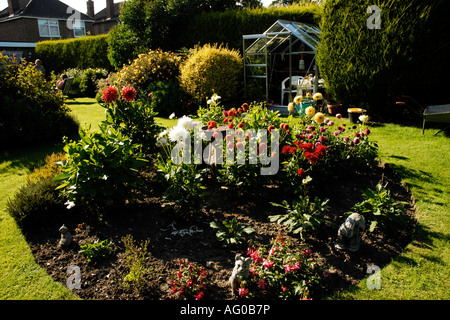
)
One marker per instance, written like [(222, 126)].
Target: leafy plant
[(210, 69), (183, 182), (303, 217), (190, 281), (101, 168), (136, 256), (281, 270), (380, 209), (231, 232), (96, 250)]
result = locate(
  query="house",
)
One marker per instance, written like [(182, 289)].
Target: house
[(106, 18), (25, 22)]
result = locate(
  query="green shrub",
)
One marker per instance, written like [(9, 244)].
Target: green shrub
[(372, 67), (101, 169), (36, 203), (136, 256), (211, 69), (166, 97), (147, 68), (30, 111), (85, 81), (82, 53)]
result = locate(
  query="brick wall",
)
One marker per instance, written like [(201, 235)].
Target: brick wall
[(27, 30)]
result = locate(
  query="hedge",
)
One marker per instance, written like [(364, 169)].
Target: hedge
[(370, 67), (229, 26), (82, 53)]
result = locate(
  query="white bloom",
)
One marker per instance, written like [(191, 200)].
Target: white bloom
[(363, 118), (162, 134), (186, 123), (172, 115), (69, 204), (178, 133)]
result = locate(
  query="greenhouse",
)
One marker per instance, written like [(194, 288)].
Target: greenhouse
[(281, 62)]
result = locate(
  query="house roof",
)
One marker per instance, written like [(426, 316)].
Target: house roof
[(51, 9), (101, 15)]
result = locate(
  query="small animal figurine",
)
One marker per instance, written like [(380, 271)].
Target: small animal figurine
[(66, 236), (240, 271), (349, 233)]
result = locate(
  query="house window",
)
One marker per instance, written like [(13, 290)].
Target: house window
[(79, 29), (48, 28)]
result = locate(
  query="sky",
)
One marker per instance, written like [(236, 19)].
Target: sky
[(80, 5)]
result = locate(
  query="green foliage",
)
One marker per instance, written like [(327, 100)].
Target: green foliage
[(302, 217), (231, 232), (101, 168), (381, 210), (85, 81), (147, 68), (183, 183), (281, 270), (82, 53), (372, 67), (96, 250), (30, 111), (166, 97), (211, 69), (227, 27), (136, 256), (135, 119), (36, 202)]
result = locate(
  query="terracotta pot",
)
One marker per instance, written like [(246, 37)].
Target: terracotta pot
[(334, 108)]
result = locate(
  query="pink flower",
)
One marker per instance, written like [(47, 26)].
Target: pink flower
[(284, 289), (199, 295), (367, 131), (272, 250), (323, 129), (346, 139), (267, 264), (262, 284), (255, 256), (356, 141), (243, 292), (339, 116)]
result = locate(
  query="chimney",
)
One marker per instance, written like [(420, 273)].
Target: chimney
[(109, 9), (90, 9), (13, 6)]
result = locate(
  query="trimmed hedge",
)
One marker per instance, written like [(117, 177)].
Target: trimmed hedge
[(83, 53), (370, 68), (229, 26)]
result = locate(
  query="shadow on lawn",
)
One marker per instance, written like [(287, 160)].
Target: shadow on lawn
[(29, 157)]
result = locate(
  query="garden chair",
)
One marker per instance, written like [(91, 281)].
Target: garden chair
[(291, 87), (66, 86)]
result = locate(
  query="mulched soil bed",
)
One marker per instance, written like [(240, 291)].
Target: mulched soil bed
[(154, 220)]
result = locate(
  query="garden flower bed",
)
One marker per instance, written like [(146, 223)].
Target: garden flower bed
[(155, 228)]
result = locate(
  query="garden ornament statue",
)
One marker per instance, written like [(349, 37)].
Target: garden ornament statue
[(66, 236), (349, 233), (240, 271)]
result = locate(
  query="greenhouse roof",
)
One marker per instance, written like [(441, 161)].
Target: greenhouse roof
[(276, 38)]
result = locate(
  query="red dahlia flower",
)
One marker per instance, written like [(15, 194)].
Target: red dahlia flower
[(109, 95), (128, 93)]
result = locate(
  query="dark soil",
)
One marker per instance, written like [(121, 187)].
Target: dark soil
[(155, 221)]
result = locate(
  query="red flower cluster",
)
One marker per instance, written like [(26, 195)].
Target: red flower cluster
[(128, 93), (316, 155), (110, 95), (211, 124)]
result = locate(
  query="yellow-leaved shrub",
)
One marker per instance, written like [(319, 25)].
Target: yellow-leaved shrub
[(211, 69)]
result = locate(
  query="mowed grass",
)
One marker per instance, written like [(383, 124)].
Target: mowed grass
[(420, 272)]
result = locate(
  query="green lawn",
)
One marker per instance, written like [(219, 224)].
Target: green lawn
[(420, 272)]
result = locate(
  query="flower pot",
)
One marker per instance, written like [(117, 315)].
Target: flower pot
[(334, 108), (354, 113)]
